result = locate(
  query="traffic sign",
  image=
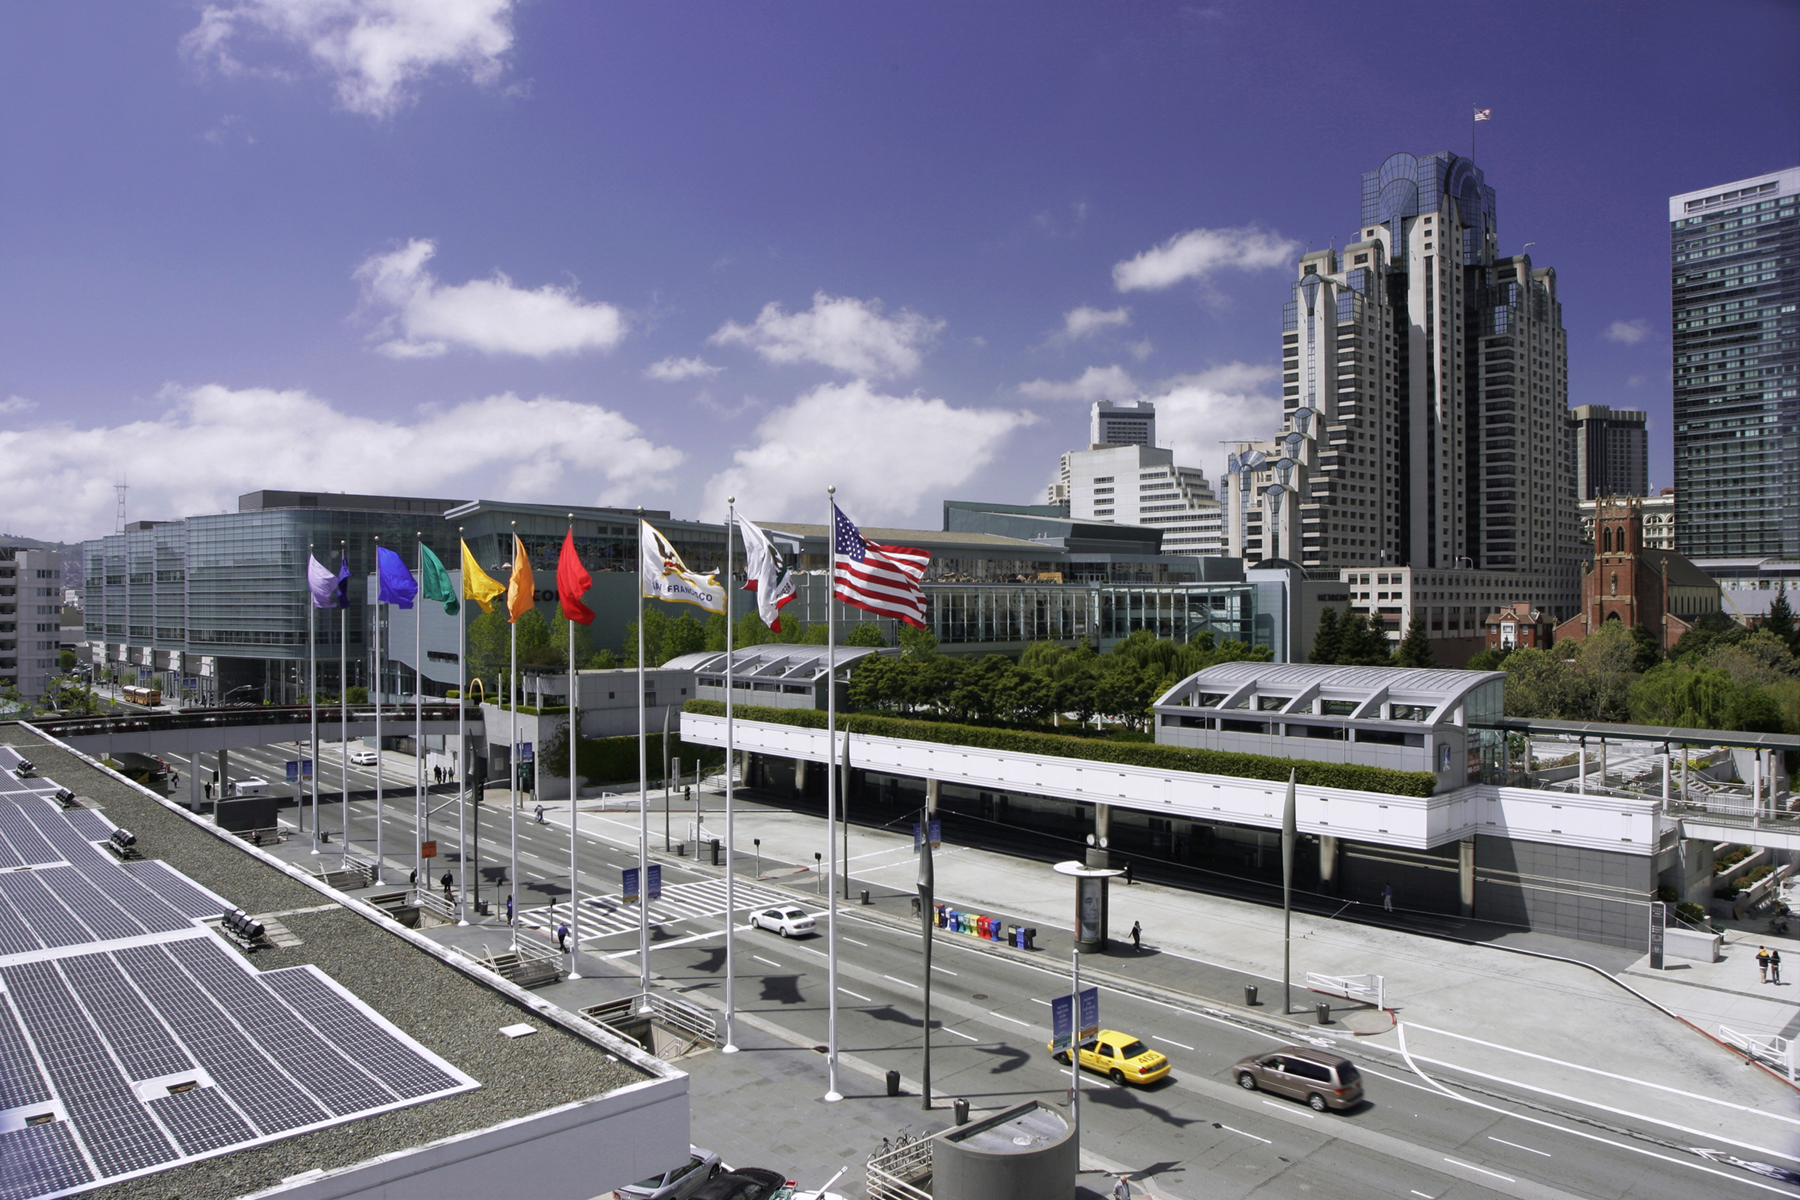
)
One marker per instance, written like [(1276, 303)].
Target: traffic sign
[(428, 849), (628, 886)]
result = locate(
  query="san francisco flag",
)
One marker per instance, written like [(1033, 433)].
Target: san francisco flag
[(666, 577)]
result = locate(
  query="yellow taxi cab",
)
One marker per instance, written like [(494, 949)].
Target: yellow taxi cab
[(1121, 1057)]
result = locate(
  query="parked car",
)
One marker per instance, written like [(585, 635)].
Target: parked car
[(745, 1183), (1323, 1080), (364, 758), (677, 1183), (788, 922), (1121, 1058)]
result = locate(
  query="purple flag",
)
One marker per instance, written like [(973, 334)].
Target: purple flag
[(328, 590), (397, 583)]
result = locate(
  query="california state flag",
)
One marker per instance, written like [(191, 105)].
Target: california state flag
[(767, 574)]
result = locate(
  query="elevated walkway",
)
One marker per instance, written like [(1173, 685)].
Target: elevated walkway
[(203, 730)]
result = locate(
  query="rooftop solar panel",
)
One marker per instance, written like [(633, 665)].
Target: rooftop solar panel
[(136, 1034), (187, 897), (21, 1083), (40, 1159), (338, 1018), (15, 936), (105, 919), (90, 824), (202, 1120), (27, 843), (124, 1138), (7, 857), (49, 920)]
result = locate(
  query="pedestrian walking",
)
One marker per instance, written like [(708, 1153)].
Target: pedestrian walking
[(208, 792), (1387, 897), (1762, 962), (1122, 1189), (1774, 966), (562, 936), (412, 880), (1137, 936), (509, 908), (540, 815), (447, 881)]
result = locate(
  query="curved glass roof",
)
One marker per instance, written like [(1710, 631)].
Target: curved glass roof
[(1439, 690)]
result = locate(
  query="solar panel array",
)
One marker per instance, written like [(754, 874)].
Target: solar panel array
[(133, 1038)]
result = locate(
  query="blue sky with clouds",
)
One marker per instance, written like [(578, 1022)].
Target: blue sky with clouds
[(660, 252)]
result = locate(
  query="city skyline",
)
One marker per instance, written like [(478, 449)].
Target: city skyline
[(324, 269)]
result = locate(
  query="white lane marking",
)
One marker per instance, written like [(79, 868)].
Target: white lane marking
[(759, 958), (1366, 1070), (901, 982), (1597, 1071), (1472, 1167), (1265, 1141), (1045, 1003), (848, 992), (945, 970), (1592, 1137), (1417, 1192), (959, 1033), (1288, 1108), (1004, 1017), (1516, 1146), (854, 942), (1165, 1041)]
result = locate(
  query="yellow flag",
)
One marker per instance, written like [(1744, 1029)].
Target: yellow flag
[(521, 589), (478, 585)]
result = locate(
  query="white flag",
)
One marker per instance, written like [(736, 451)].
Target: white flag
[(666, 577), (767, 574), (1484, 114)]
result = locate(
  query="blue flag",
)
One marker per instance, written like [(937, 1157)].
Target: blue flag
[(397, 583)]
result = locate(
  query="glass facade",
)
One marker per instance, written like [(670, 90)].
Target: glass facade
[(1735, 289)]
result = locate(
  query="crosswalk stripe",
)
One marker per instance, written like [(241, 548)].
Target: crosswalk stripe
[(605, 916)]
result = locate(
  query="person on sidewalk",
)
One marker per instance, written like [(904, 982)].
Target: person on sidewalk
[(1122, 1189), (1387, 897), (509, 908), (562, 936), (540, 814), (1137, 937), (447, 882), (1762, 962), (1774, 966)]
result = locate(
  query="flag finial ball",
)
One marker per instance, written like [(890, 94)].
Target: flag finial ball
[(832, 490), (731, 499)]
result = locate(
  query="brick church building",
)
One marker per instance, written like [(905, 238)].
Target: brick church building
[(1628, 582)]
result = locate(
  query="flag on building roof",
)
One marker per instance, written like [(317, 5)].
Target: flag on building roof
[(436, 581), (478, 585), (880, 579), (397, 583), (666, 577), (573, 582), (767, 574), (328, 590), (521, 586), (1484, 114)]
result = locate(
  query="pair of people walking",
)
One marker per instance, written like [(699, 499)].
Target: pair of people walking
[(1769, 963)]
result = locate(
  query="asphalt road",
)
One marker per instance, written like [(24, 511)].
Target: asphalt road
[(1195, 1133)]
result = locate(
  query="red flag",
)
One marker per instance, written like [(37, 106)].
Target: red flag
[(572, 583)]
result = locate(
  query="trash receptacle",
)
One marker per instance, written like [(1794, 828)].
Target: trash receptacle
[(1250, 995), (865, 895), (960, 1108), (893, 1082), (680, 849), (715, 851), (1324, 1012)]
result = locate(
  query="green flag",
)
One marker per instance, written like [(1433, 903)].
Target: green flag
[(437, 581)]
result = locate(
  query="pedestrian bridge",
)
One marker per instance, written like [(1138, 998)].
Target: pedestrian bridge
[(207, 730)]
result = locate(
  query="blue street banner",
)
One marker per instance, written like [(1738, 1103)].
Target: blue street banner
[(523, 752), (628, 887), (306, 768), (937, 835), (293, 770), (656, 881), (1062, 1023), (1090, 1013)]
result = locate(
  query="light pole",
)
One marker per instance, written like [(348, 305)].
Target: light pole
[(927, 883)]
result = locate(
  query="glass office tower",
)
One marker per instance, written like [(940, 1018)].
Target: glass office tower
[(1735, 265)]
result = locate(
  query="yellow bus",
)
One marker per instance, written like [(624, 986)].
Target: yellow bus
[(146, 696)]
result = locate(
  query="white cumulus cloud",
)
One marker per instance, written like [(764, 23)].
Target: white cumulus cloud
[(1627, 333), (886, 455), (502, 446), (1086, 320), (840, 332), (378, 51), (674, 370), (489, 315), (1200, 252), (1095, 383), (1194, 413), (16, 404)]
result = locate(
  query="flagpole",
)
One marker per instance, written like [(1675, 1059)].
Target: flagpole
[(378, 763), (730, 1046), (312, 678), (574, 794), (1287, 898), (462, 744), (344, 700), (643, 901), (512, 765), (421, 802), (831, 1094)]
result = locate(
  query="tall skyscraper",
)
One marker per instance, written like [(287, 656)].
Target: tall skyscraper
[(1122, 424), (1735, 288), (1425, 389), (1129, 480), (1612, 452)]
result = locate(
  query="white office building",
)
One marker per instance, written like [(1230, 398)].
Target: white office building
[(31, 595), (1129, 480)]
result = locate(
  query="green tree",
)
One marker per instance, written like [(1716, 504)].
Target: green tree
[(1709, 630), (1607, 662), (1779, 622), (865, 633), (1538, 683), (656, 623), (1647, 650), (1415, 649), (1489, 660), (559, 642), (1361, 643), (684, 635), (66, 660), (1326, 640), (916, 642), (487, 645)]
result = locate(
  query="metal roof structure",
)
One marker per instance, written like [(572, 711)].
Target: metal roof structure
[(774, 662), (1242, 684), (1645, 733)]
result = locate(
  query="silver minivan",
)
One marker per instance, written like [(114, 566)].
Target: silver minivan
[(1323, 1080)]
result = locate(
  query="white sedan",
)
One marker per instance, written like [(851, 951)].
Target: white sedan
[(364, 758), (788, 922)]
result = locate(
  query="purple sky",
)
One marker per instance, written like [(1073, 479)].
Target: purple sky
[(654, 253)]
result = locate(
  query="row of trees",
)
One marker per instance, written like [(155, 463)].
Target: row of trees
[(1350, 639), (1048, 682)]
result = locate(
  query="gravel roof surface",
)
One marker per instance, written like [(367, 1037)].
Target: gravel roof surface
[(450, 1013)]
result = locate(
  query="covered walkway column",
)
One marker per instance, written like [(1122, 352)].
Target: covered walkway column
[(799, 777), (1328, 861), (1097, 855), (931, 796), (1465, 875)]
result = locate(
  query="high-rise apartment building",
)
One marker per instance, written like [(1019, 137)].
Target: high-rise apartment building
[(1123, 477), (1612, 452), (1735, 288), (1122, 424), (31, 604), (1425, 396)]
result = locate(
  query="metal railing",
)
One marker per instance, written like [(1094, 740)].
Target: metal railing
[(1775, 1051), (671, 1012), (1370, 989), (434, 902), (900, 1173)]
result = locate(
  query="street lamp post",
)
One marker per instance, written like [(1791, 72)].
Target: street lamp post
[(927, 883)]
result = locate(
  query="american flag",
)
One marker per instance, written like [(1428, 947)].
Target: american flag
[(1484, 114), (880, 579)]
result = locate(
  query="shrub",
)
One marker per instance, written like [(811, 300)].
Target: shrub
[(1692, 913), (1055, 745), (1668, 895), (1731, 858), (615, 759)]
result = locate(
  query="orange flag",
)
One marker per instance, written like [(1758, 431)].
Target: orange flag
[(521, 589)]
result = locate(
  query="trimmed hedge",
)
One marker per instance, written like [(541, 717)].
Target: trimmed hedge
[(615, 759), (1056, 745)]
